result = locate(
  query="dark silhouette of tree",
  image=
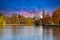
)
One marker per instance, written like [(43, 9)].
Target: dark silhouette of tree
[(1, 14)]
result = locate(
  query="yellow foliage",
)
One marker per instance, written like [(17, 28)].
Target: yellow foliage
[(30, 21), (2, 22)]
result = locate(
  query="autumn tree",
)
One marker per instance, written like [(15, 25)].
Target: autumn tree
[(6, 18), (47, 18), (56, 16), (14, 18), (22, 19), (29, 21)]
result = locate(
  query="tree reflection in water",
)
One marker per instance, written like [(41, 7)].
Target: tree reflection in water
[(51, 33), (56, 33), (1, 32)]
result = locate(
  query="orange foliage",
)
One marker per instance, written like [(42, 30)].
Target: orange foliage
[(56, 15), (47, 19)]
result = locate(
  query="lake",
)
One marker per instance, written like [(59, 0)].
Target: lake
[(29, 33), (21, 33)]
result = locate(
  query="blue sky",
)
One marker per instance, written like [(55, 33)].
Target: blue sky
[(28, 5)]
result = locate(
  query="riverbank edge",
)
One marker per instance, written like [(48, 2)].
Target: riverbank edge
[(28, 25), (20, 24)]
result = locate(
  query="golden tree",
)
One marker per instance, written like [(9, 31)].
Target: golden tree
[(6, 18), (30, 21), (14, 18)]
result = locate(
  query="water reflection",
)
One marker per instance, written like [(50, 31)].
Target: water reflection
[(29, 33), (21, 33), (51, 33)]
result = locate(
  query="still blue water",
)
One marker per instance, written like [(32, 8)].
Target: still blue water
[(29, 33), (21, 33), (48, 34)]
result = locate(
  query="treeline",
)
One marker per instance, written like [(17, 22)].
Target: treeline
[(53, 18), (19, 19)]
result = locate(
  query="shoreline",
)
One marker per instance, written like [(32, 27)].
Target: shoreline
[(19, 25), (28, 25)]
